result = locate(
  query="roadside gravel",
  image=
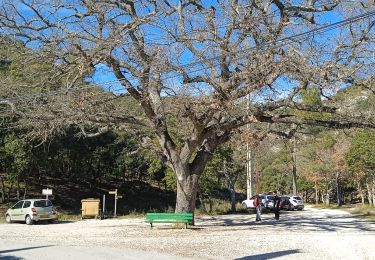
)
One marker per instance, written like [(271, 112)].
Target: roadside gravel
[(309, 234)]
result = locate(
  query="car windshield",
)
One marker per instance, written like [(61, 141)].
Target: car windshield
[(18, 205), (297, 198), (42, 203), (270, 197)]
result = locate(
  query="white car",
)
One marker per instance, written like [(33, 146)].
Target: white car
[(292, 202), (31, 210), (267, 201), (296, 202), (249, 203)]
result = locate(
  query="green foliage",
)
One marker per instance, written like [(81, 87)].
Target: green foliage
[(16, 149), (304, 185), (170, 179), (311, 97), (276, 170), (274, 179), (214, 178), (14, 156), (361, 155), (157, 169), (25, 71)]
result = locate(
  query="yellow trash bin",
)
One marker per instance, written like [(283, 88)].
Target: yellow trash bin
[(90, 208)]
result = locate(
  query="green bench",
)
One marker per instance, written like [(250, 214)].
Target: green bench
[(176, 218)]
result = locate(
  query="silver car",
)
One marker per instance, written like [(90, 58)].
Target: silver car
[(296, 202), (31, 210)]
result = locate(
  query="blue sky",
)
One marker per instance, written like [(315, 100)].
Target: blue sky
[(104, 77), (104, 74)]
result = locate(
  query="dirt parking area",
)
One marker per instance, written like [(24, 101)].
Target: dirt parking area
[(309, 234)]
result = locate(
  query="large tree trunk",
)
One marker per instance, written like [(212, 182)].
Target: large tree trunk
[(186, 193)]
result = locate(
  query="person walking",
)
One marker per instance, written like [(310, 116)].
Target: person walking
[(276, 205), (258, 206)]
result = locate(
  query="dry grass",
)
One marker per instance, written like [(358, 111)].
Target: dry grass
[(68, 217), (365, 212), (3, 208)]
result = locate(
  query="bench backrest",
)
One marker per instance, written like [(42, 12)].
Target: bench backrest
[(155, 216)]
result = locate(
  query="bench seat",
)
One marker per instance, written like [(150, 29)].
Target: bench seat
[(174, 218)]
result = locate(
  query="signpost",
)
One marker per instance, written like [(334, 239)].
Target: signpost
[(116, 198), (47, 192)]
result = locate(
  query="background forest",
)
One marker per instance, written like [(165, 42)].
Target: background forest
[(164, 143), (332, 166)]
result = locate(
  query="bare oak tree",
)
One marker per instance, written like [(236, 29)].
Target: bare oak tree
[(200, 61)]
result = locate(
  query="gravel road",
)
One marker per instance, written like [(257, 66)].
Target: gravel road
[(309, 234)]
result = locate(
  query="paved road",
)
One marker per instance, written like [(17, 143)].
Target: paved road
[(14, 250), (310, 234)]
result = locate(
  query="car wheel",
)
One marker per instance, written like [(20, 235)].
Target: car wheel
[(28, 220), (51, 221), (8, 219)]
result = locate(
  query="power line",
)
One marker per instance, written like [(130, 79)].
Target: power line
[(277, 43), (152, 40)]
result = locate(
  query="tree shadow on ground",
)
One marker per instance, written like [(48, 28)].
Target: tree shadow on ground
[(270, 255), (294, 223), (10, 257)]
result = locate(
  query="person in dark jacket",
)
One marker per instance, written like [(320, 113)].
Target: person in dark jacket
[(276, 205)]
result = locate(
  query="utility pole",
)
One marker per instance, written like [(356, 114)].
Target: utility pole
[(294, 159), (249, 166), (249, 173)]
